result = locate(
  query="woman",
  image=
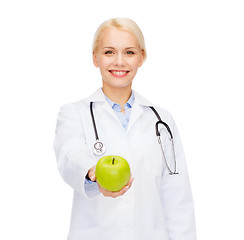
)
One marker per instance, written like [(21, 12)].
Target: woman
[(156, 205)]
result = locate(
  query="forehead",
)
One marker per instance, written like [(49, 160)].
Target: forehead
[(114, 37)]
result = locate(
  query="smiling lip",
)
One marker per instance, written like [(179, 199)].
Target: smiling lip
[(119, 73)]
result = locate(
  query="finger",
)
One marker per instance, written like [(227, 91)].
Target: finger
[(130, 181), (91, 173), (121, 192), (126, 187), (108, 193), (105, 192)]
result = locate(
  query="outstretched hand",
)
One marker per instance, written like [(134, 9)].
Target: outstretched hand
[(106, 193)]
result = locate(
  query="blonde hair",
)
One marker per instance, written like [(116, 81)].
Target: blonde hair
[(125, 24)]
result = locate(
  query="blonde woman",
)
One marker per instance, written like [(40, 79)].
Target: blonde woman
[(157, 202)]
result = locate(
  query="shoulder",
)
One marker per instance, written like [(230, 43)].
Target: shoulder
[(73, 109), (165, 115), (79, 105), (73, 106)]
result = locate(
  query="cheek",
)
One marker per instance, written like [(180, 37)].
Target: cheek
[(136, 63), (135, 66), (105, 62)]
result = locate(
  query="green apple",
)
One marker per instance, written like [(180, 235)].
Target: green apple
[(112, 173)]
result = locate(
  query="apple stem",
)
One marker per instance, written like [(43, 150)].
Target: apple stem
[(113, 161)]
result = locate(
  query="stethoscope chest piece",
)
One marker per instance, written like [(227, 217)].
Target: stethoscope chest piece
[(99, 148)]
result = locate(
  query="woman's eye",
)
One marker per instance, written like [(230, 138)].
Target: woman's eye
[(130, 52), (108, 52)]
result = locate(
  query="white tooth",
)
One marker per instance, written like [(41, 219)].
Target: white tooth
[(118, 72)]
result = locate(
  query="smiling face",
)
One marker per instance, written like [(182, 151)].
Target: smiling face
[(118, 56)]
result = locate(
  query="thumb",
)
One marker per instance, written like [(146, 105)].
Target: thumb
[(91, 174)]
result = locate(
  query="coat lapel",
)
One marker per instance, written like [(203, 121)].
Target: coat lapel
[(137, 108), (108, 109), (136, 112), (98, 96)]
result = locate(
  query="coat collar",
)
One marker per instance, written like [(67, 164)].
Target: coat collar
[(137, 109), (98, 96)]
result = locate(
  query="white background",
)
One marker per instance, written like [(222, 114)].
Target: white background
[(195, 69)]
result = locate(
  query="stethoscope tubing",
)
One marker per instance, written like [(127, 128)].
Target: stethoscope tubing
[(101, 149), (161, 122), (160, 141), (93, 122)]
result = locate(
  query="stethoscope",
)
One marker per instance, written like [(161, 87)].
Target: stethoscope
[(99, 148)]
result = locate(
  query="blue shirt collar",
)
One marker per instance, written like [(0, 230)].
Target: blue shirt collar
[(116, 106)]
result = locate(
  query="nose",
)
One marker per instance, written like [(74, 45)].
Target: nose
[(119, 60)]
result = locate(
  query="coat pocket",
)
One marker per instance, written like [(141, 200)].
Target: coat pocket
[(152, 234), (159, 234), (88, 233)]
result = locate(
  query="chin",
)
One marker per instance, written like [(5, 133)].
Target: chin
[(118, 84)]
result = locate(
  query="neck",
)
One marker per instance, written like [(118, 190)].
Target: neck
[(117, 95)]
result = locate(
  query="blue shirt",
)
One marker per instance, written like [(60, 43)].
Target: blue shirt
[(123, 117)]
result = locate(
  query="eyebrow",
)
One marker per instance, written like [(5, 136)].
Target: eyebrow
[(125, 48)]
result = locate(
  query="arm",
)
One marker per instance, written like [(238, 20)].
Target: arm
[(177, 198), (73, 156), (74, 159)]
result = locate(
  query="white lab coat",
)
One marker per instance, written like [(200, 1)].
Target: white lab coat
[(158, 206)]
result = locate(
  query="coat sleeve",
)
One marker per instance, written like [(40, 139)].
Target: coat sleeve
[(177, 197), (74, 159)]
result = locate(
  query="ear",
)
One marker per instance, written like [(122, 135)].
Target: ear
[(142, 57), (95, 59)]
